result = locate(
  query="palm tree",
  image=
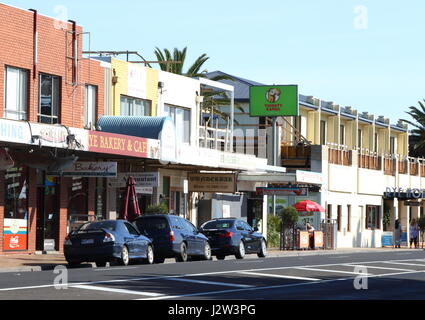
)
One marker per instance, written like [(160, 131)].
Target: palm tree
[(418, 114)]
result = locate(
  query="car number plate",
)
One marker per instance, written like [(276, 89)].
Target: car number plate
[(87, 241)]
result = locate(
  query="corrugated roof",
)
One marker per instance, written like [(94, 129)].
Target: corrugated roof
[(143, 127)]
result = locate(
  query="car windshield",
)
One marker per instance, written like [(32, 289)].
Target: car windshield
[(154, 224), (108, 225), (219, 224)]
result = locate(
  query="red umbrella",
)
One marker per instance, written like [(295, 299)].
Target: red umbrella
[(130, 210), (309, 206)]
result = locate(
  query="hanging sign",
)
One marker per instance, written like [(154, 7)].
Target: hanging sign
[(274, 101)]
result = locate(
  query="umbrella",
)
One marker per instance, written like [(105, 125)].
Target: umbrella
[(309, 206), (130, 210)]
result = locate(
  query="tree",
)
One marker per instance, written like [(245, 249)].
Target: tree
[(290, 217), (418, 114)]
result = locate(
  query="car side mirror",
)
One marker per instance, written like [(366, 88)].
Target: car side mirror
[(256, 229)]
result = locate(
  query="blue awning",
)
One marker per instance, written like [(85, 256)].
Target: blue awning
[(143, 127)]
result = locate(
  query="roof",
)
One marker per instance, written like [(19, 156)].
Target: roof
[(143, 127)]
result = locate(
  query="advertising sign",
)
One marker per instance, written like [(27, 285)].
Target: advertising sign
[(309, 177), (212, 182), (274, 101), (91, 170), (15, 234), (143, 180)]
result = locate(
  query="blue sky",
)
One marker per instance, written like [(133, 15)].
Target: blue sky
[(368, 54)]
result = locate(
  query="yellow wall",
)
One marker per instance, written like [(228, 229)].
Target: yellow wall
[(121, 88)]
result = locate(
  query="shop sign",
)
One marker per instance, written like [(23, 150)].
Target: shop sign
[(412, 204), (387, 239), (144, 190), (15, 234), (404, 194), (109, 143), (309, 177), (144, 179), (15, 131), (212, 182), (90, 169), (298, 192), (274, 101)]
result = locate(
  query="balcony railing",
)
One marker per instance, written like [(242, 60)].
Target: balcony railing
[(402, 167), (369, 160), (340, 155), (296, 156), (389, 166)]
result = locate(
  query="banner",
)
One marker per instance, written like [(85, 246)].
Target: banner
[(15, 234), (212, 182)]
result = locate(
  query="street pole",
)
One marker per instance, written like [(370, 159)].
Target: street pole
[(274, 158)]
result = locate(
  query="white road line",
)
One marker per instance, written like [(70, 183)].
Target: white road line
[(121, 291), (114, 269), (278, 276), (406, 264), (272, 287), (332, 271), (189, 275), (211, 283), (373, 267)]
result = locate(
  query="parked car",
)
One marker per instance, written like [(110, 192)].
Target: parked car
[(107, 241), (234, 237), (174, 237)]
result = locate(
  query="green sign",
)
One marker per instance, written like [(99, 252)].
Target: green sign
[(274, 101)]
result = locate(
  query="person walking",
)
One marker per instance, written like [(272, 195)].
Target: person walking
[(397, 234), (414, 233)]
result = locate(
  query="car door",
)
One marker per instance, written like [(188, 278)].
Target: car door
[(137, 245), (198, 238), (254, 239), (242, 233)]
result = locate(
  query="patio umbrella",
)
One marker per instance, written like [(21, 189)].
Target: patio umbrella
[(308, 206), (130, 209)]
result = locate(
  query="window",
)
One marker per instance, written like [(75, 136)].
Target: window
[(16, 197), (392, 145), (339, 218), (131, 229), (247, 227), (376, 142), (90, 107), (373, 217), (349, 218), (16, 97), (181, 118), (342, 135), (359, 139), (135, 107), (323, 132), (239, 226), (49, 99), (329, 213)]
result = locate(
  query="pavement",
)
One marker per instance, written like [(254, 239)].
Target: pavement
[(44, 262)]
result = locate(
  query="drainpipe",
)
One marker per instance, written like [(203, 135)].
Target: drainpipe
[(35, 39), (75, 51)]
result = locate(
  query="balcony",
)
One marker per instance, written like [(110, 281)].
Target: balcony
[(369, 160), (340, 155), (296, 157)]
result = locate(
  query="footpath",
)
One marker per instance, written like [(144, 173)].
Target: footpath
[(43, 262)]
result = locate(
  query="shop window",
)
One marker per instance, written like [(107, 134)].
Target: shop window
[(100, 208), (16, 96), (90, 107), (181, 118), (16, 209), (373, 217), (49, 99), (134, 107), (78, 202)]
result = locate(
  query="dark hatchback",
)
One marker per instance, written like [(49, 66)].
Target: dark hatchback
[(107, 241), (234, 237), (174, 237)]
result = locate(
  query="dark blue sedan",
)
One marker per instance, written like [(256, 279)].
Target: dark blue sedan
[(234, 237), (107, 241)]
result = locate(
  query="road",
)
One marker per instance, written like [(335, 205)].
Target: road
[(288, 278)]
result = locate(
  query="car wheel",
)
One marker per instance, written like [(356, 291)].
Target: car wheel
[(182, 257), (263, 249), (125, 259), (207, 252), (221, 257), (241, 251), (150, 259), (159, 260), (100, 264)]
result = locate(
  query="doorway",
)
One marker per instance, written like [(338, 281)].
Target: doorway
[(47, 234)]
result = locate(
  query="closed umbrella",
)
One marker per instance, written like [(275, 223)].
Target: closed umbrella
[(130, 210), (309, 206)]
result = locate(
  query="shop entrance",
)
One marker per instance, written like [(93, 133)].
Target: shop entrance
[(255, 212), (47, 235)]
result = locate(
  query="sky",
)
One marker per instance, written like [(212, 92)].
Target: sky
[(367, 54)]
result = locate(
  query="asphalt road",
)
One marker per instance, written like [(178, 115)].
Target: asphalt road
[(290, 278)]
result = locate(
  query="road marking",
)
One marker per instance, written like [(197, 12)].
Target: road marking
[(272, 287), (114, 269), (210, 282), (121, 291), (406, 264), (278, 276), (373, 267), (331, 271)]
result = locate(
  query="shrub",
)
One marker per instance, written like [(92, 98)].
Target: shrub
[(290, 217), (157, 209), (273, 231)]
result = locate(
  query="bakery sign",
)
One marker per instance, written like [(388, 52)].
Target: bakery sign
[(212, 182), (90, 170)]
